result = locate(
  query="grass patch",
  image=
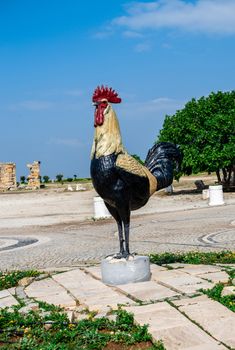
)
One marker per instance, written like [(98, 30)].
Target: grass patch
[(31, 331), (11, 279), (231, 273), (223, 257)]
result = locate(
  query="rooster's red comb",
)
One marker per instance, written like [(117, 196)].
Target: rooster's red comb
[(105, 92)]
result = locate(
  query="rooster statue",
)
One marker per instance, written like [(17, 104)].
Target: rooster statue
[(122, 182)]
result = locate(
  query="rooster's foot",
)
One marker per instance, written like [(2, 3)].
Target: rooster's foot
[(129, 256), (118, 255), (121, 255), (126, 255), (114, 256)]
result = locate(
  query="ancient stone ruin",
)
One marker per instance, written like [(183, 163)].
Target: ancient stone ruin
[(34, 177), (7, 176)]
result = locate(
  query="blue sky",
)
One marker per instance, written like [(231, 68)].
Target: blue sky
[(156, 54)]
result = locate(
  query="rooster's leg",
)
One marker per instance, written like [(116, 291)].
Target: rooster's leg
[(121, 239), (116, 216), (125, 215), (126, 253)]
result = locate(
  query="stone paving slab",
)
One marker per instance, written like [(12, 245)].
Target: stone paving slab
[(175, 326), (6, 299), (195, 270), (12, 290), (147, 291), (215, 277), (211, 316), (229, 290), (94, 271), (91, 292), (226, 265), (156, 268), (166, 323), (49, 291), (180, 281), (4, 293)]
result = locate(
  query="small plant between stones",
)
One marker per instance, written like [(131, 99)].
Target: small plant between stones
[(210, 258), (49, 328), (216, 293), (11, 279)]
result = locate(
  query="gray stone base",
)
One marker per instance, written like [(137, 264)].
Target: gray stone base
[(122, 271)]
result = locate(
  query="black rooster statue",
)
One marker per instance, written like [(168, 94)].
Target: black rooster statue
[(122, 182)]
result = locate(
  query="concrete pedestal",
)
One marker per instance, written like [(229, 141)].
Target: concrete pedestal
[(100, 209), (122, 271), (216, 195)]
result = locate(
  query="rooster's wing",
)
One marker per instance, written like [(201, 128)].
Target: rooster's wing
[(140, 182)]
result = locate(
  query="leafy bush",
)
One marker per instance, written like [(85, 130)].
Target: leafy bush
[(46, 178), (59, 177)]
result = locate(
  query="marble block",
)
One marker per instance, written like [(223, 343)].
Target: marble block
[(121, 271)]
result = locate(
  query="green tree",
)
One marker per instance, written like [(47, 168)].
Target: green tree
[(59, 177), (22, 179), (75, 177), (205, 131), (137, 158), (46, 179)]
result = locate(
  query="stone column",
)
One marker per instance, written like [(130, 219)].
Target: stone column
[(7, 176), (34, 176)]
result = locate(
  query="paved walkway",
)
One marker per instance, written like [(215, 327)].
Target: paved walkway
[(176, 312), (80, 242), (51, 233)]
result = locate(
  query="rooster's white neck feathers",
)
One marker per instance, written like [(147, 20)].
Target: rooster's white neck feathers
[(107, 138)]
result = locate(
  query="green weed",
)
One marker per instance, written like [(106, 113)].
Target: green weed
[(223, 257), (11, 279), (216, 294), (31, 331)]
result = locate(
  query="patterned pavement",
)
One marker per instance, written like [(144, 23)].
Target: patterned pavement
[(85, 242)]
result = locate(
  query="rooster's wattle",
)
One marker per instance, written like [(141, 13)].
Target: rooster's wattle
[(122, 182)]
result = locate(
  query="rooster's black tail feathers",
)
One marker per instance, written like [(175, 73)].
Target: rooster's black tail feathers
[(160, 161)]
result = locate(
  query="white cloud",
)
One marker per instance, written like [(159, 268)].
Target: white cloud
[(162, 100), (207, 16), (159, 105), (103, 34), (143, 47), (133, 35), (66, 142)]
